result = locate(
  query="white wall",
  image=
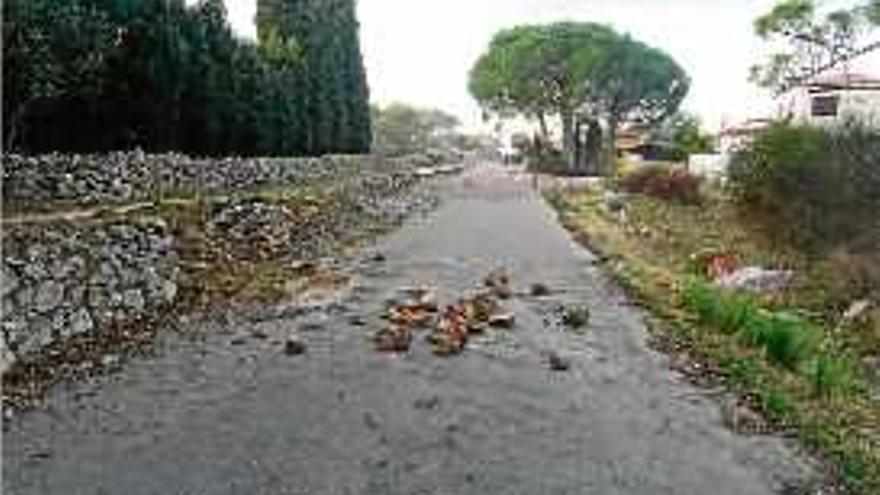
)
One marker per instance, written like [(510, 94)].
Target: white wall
[(859, 104), (711, 166)]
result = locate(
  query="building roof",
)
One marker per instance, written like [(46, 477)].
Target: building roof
[(746, 128), (843, 80)]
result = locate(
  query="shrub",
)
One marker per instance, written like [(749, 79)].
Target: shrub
[(777, 403), (830, 375), (742, 371), (729, 312), (815, 188), (662, 182), (787, 339), (790, 340)]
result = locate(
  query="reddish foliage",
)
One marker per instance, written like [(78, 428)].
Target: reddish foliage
[(669, 184)]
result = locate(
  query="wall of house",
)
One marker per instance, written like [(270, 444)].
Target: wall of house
[(859, 104)]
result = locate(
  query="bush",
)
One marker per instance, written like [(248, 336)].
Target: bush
[(666, 183), (812, 187), (787, 339), (830, 375)]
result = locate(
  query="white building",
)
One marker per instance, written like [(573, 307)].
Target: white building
[(832, 98)]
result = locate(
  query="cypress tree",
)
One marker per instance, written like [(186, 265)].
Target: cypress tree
[(96, 75)]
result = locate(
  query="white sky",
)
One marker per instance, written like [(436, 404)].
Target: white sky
[(420, 51)]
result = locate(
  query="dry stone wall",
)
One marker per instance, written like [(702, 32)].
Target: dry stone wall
[(134, 176), (62, 280)]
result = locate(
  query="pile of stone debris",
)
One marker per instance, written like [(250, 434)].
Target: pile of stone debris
[(449, 329), (256, 229)]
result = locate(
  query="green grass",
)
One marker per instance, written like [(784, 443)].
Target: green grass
[(786, 339), (794, 365)]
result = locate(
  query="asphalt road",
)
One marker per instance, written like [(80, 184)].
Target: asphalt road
[(230, 413)]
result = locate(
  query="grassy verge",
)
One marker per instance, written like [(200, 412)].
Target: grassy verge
[(806, 379)]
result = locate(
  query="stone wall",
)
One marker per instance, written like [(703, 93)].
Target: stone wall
[(61, 279), (134, 176)]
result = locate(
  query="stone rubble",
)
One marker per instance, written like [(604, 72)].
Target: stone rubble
[(63, 278), (125, 177)]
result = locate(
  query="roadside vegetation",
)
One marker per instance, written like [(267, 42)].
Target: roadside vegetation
[(799, 200)]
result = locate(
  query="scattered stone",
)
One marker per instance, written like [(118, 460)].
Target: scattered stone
[(421, 298), (502, 320), (303, 266), (479, 309), (110, 362), (133, 299), (81, 322), (539, 290), (500, 284), (396, 338), (451, 334), (575, 317), (427, 403), (314, 322), (294, 347), (8, 281), (370, 421), (740, 418), (858, 313), (40, 455), (410, 317), (613, 201), (49, 296), (557, 362)]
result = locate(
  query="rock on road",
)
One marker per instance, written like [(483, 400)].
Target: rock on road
[(218, 415)]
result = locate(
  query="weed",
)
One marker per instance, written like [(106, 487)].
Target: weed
[(742, 371), (789, 339), (830, 376), (778, 404)]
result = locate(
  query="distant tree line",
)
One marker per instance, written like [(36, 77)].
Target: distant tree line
[(400, 129), (97, 75)]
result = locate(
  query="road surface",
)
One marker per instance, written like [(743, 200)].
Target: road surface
[(230, 413)]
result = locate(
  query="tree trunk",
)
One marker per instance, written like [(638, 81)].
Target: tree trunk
[(594, 145), (15, 122), (610, 161), (545, 133), (568, 137)]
